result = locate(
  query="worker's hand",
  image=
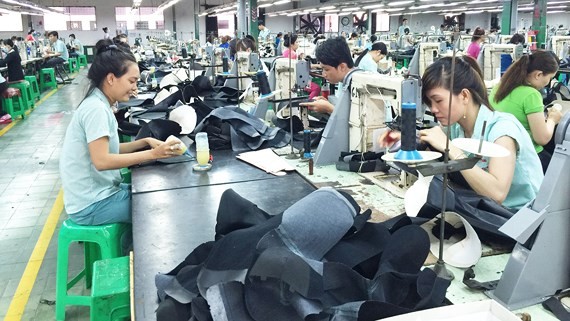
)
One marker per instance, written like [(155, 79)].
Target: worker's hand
[(167, 149), (435, 137), (388, 138), (319, 105), (554, 114), (153, 142)]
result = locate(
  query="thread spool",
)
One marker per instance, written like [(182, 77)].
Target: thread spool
[(408, 150), (225, 66), (307, 144), (263, 83)]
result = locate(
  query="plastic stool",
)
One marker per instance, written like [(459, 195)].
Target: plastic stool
[(82, 60), (111, 290), (13, 103), (34, 86), (51, 83), (73, 65), (101, 242), (26, 92)]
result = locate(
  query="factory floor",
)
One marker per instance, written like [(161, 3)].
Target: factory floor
[(31, 207)]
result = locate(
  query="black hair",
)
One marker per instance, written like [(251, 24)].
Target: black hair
[(515, 76), (333, 52), (244, 44), (210, 39), (375, 46), (250, 37), (279, 34), (516, 39), (353, 35), (9, 42), (406, 31), (72, 35), (477, 34), (31, 31), (105, 29), (261, 23), (405, 19), (468, 76), (53, 33), (289, 40), (109, 58), (373, 38)]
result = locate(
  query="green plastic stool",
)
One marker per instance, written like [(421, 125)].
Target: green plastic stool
[(14, 105), (82, 60), (100, 241), (34, 87), (26, 91), (51, 82), (111, 290), (73, 65), (126, 175)]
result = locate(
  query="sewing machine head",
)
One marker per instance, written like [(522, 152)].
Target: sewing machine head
[(426, 53), (290, 76), (490, 58), (374, 100), (559, 45)]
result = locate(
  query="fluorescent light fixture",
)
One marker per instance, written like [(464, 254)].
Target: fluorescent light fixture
[(555, 11), (310, 9), (163, 6), (203, 14), (291, 14), (399, 3), (328, 8), (394, 9), (496, 10), (31, 5), (263, 5), (281, 2), (373, 6), (350, 9), (556, 7), (474, 12), (332, 10), (525, 9), (558, 2)]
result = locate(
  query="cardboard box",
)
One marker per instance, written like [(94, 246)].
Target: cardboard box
[(488, 310)]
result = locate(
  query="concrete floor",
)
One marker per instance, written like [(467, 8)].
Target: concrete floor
[(29, 186)]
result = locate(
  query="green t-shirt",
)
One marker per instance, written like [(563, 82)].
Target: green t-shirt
[(521, 102)]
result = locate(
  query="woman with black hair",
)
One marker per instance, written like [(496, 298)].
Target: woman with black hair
[(92, 155), (290, 42), (476, 40), (13, 61), (368, 59)]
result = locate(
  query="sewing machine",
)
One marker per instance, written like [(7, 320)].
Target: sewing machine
[(374, 98), (425, 55), (215, 58), (539, 264), (490, 58), (504, 39), (244, 65), (559, 45), (464, 42), (306, 47)]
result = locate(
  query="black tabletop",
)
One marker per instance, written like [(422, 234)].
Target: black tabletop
[(169, 224), (225, 169)]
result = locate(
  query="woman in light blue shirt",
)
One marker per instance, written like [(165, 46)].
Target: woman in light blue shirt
[(368, 59), (92, 155)]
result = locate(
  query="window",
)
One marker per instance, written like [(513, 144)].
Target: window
[(143, 18), (11, 21), (382, 22), (71, 18)]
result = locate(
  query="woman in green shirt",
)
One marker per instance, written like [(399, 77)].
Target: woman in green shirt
[(518, 94)]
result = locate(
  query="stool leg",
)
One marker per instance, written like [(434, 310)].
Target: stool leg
[(92, 254), (61, 279)]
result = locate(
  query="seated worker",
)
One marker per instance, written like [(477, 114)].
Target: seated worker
[(92, 155), (516, 39), (476, 41), (368, 59), (511, 181), (518, 94), (290, 42), (13, 61), (407, 40), (338, 66), (76, 47), (248, 45), (57, 54)]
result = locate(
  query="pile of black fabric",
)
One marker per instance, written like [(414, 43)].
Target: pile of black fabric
[(319, 260)]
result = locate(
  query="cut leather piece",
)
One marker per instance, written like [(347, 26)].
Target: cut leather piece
[(186, 117), (226, 302), (159, 129)]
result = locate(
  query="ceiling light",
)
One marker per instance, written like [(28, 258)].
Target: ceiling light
[(328, 8), (555, 11), (265, 5), (332, 10), (350, 9), (474, 12), (163, 6), (394, 9), (399, 3), (373, 6), (281, 2)]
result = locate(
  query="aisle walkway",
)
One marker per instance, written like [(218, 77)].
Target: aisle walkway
[(29, 204)]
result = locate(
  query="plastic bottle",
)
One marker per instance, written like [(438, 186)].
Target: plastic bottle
[(269, 116), (153, 83), (326, 90)]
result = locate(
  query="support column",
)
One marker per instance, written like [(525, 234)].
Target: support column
[(509, 17), (197, 20), (369, 22), (241, 27), (539, 21), (174, 22), (252, 15)]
